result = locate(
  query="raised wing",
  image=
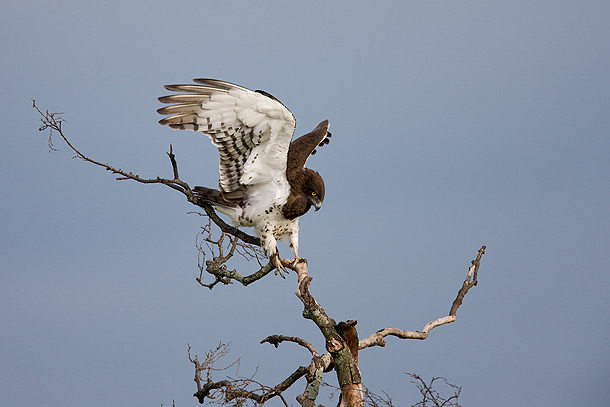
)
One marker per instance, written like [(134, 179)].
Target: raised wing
[(305, 146), (251, 129)]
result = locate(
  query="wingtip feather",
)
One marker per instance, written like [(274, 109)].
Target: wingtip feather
[(217, 83), (198, 89)]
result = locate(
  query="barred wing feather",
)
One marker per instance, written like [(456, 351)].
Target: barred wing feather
[(251, 129)]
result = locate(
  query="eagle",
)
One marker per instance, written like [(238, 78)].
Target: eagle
[(263, 180)]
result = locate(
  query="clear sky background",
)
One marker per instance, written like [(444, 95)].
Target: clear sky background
[(456, 124)]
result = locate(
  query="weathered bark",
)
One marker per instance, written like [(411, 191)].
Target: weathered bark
[(345, 359)]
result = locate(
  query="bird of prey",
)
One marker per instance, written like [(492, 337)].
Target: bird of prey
[(263, 180)]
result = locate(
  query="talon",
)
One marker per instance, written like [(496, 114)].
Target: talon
[(295, 261), (279, 268)]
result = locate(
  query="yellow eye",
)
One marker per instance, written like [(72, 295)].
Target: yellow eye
[(313, 193)]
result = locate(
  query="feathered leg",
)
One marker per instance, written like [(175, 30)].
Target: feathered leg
[(270, 247), (294, 242)]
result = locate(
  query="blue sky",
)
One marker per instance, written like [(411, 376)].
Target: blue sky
[(455, 124)]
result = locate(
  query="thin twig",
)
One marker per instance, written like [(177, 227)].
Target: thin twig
[(431, 395)]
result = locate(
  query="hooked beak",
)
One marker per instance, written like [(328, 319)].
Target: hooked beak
[(317, 205)]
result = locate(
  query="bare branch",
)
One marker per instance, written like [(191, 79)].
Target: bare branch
[(471, 281), (375, 400), (53, 122), (431, 395), (275, 340), (222, 273), (370, 399), (221, 250), (378, 338), (236, 389), (211, 357)]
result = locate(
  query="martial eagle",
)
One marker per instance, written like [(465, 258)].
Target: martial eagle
[(263, 180)]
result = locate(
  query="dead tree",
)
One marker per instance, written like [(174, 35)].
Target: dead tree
[(341, 339)]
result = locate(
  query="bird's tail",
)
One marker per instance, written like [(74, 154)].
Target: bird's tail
[(213, 196)]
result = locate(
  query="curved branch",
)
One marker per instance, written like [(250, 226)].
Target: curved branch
[(378, 338), (275, 340)]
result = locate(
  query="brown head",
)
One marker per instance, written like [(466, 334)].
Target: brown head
[(306, 190), (313, 188), (306, 186)]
